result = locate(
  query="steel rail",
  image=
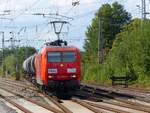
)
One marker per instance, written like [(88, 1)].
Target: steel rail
[(86, 105), (107, 108), (15, 104), (20, 85), (15, 81), (66, 110), (118, 91), (34, 102), (16, 87), (136, 106), (133, 105), (55, 101)]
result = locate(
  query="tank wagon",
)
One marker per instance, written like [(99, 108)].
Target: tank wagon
[(28, 66), (55, 68)]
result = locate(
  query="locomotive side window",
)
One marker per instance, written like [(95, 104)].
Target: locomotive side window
[(68, 57), (54, 57)]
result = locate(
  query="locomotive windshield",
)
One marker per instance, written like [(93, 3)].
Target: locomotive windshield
[(68, 56), (61, 57), (54, 57)]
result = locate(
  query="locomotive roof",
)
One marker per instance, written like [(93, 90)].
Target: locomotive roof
[(62, 47), (58, 48)]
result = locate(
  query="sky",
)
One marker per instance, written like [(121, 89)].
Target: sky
[(18, 17)]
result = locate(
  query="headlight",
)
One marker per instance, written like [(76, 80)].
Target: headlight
[(50, 76), (73, 76), (71, 70), (52, 71)]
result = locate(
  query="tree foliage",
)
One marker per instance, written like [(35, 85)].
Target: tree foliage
[(12, 55), (112, 18), (130, 50), (129, 55)]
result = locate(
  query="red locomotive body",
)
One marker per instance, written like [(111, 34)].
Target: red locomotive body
[(57, 68), (55, 64)]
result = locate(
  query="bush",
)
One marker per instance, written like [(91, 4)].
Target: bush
[(130, 55)]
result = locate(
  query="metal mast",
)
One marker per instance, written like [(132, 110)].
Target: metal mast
[(100, 42), (12, 40), (3, 54), (144, 13)]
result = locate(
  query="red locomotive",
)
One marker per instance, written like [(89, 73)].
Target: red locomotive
[(56, 68)]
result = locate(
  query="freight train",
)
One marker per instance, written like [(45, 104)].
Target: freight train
[(55, 68)]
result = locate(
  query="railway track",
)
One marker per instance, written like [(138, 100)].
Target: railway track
[(122, 100), (117, 88), (18, 83), (52, 99), (18, 96), (92, 100), (38, 103), (15, 104), (120, 92)]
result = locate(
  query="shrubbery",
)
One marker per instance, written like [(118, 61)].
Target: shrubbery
[(11, 56), (130, 55)]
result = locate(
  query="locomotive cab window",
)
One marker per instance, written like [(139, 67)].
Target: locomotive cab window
[(69, 57), (54, 57), (61, 57)]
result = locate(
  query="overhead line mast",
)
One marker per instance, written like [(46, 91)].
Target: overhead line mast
[(144, 12), (143, 9), (3, 54)]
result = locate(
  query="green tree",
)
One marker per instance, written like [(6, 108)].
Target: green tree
[(129, 55), (130, 51), (113, 18), (11, 56), (10, 63)]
